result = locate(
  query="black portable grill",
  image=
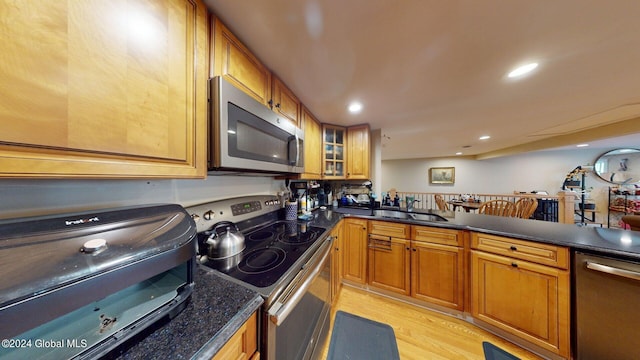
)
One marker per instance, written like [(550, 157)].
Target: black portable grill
[(79, 285)]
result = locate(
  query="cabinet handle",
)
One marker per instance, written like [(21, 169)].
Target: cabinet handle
[(271, 104), (514, 265), (414, 249), (513, 248), (278, 105), (408, 248)]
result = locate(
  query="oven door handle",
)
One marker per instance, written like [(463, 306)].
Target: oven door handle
[(280, 310)]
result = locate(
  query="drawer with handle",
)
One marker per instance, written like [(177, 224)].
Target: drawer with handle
[(545, 254), (436, 235), (387, 228)]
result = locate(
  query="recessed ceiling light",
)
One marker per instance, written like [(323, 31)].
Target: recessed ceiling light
[(582, 145), (355, 107), (459, 153), (484, 137), (524, 69)]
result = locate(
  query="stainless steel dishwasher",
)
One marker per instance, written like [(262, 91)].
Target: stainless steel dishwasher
[(607, 307)]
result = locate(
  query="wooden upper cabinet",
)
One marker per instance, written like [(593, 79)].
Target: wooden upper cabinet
[(103, 89), (333, 151), (233, 61), (284, 102), (358, 152), (312, 146)]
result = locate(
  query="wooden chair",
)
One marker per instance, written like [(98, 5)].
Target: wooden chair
[(497, 207), (633, 221), (442, 205), (525, 207)]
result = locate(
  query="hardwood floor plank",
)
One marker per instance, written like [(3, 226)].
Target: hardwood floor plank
[(421, 333)]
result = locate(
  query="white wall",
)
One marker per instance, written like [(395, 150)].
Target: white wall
[(22, 197), (542, 170)]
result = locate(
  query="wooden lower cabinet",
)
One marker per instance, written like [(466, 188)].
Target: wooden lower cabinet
[(336, 261), (243, 344), (389, 263), (437, 274), (354, 266), (526, 299), (438, 266)]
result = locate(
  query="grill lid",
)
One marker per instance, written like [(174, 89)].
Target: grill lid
[(82, 257)]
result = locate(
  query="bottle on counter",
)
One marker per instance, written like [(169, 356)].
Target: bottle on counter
[(303, 204)]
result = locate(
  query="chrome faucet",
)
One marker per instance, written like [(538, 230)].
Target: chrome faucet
[(410, 205)]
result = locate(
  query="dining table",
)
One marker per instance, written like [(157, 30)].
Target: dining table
[(466, 205)]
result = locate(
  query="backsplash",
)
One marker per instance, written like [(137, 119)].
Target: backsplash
[(33, 197)]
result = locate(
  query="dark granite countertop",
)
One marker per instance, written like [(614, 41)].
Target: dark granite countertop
[(219, 307), (613, 242), (216, 310)]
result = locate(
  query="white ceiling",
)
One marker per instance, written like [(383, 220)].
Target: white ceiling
[(432, 73)]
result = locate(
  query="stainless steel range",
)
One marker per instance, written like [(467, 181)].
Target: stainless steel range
[(287, 262)]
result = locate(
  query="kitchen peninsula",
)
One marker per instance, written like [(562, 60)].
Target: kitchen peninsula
[(499, 256)]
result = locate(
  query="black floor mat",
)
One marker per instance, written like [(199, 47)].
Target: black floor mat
[(354, 337), (492, 352)]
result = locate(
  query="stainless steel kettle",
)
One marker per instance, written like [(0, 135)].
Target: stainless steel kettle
[(225, 241)]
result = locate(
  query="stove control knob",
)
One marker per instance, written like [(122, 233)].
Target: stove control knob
[(209, 215), (195, 217)]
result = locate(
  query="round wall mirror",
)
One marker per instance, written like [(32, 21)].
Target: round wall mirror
[(619, 166)]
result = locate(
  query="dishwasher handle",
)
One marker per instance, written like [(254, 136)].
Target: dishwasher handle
[(634, 275)]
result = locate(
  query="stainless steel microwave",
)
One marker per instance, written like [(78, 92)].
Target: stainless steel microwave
[(245, 135)]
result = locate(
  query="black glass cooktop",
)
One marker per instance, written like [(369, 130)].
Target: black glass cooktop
[(270, 251)]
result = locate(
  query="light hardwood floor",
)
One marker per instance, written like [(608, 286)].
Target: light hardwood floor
[(421, 333)]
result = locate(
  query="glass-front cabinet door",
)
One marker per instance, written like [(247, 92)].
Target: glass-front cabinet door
[(333, 154)]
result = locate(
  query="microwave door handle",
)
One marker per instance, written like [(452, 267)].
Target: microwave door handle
[(294, 150)]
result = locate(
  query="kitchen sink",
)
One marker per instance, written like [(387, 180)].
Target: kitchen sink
[(426, 217), (401, 215), (393, 214)]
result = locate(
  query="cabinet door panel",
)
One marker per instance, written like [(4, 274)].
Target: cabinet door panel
[(336, 261), (312, 146), (111, 97), (529, 300), (333, 153), (437, 274), (285, 102), (355, 250), (243, 344), (389, 264), (235, 62), (358, 152)]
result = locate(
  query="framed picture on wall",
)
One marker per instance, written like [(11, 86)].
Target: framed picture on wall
[(442, 175)]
